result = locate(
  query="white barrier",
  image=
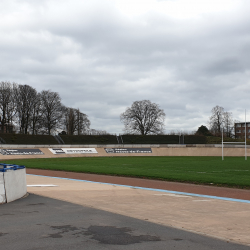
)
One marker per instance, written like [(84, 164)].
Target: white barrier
[(12, 184), (2, 189)]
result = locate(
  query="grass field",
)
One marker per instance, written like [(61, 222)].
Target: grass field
[(232, 172)]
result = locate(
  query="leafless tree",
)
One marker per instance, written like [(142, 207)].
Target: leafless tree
[(36, 119), (25, 99), (52, 110), (75, 121), (216, 120), (7, 107), (143, 117), (83, 123), (228, 124), (221, 120)]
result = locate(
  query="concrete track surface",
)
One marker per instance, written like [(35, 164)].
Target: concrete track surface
[(86, 215)]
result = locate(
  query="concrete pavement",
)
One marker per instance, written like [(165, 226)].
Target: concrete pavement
[(75, 214), (227, 220), (39, 223)]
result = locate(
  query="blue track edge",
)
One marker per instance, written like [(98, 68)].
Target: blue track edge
[(153, 189)]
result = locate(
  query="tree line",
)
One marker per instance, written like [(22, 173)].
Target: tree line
[(145, 117), (25, 110)]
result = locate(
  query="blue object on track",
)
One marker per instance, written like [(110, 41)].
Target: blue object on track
[(5, 167)]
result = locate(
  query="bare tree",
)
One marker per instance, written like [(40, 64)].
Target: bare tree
[(25, 98), (7, 107), (70, 121), (52, 110), (143, 117), (83, 123), (75, 121), (216, 120), (228, 124), (221, 120), (36, 118)]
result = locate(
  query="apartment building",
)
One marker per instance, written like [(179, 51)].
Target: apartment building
[(239, 129)]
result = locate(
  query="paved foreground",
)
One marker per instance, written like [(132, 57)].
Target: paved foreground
[(77, 214), (227, 220), (38, 222)]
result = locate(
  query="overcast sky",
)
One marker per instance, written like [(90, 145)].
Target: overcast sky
[(102, 55)]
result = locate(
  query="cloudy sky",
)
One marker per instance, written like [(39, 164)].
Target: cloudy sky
[(102, 55)]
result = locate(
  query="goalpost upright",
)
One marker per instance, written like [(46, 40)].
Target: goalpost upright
[(222, 142)]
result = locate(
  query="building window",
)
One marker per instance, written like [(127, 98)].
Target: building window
[(238, 125), (238, 131), (248, 124)]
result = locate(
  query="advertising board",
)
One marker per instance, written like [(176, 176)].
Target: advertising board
[(25, 151), (73, 151), (128, 150)]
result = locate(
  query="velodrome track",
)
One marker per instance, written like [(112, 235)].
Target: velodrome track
[(62, 213), (83, 211), (157, 150)]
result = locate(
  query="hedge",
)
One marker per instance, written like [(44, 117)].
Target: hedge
[(112, 139), (28, 139), (89, 139)]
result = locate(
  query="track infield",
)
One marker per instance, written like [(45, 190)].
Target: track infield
[(232, 172)]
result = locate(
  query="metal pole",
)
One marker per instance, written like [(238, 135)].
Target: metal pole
[(245, 135), (222, 144)]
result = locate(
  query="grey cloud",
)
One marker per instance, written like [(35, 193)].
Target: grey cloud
[(101, 62)]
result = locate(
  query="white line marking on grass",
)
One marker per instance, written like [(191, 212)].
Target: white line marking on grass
[(153, 189)]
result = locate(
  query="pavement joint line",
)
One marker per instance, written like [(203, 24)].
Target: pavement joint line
[(153, 189)]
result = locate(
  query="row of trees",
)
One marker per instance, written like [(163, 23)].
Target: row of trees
[(145, 117), (29, 111)]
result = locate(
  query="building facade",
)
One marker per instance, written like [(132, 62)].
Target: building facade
[(239, 129)]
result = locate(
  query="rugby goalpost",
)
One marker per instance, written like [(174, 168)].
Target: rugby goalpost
[(222, 142)]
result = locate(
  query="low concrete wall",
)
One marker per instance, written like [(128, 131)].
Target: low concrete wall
[(12, 185), (15, 184), (157, 150), (2, 189)]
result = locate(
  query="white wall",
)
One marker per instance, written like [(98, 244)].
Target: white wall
[(12, 185), (2, 189), (15, 184)]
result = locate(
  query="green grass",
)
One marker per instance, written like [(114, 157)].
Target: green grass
[(232, 172)]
